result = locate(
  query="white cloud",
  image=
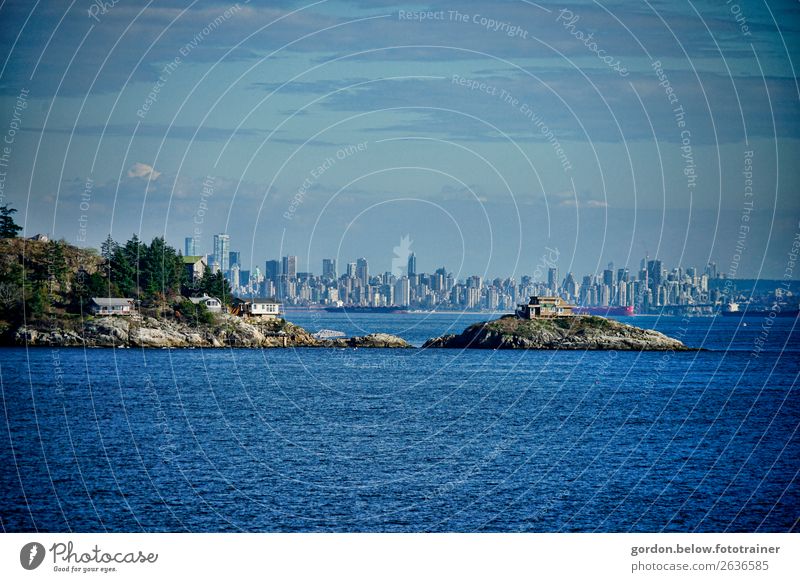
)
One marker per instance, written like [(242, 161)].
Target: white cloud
[(140, 170)]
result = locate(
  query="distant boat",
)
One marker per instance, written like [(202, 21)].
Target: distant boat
[(324, 334), (760, 312), (604, 311)]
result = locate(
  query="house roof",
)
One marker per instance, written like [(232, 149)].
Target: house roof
[(197, 300), (265, 300), (111, 301), (192, 259)]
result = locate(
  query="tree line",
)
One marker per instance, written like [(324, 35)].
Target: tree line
[(40, 280), (155, 273)]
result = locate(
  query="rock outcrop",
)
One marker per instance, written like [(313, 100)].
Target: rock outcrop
[(373, 340), (559, 333), (227, 331)]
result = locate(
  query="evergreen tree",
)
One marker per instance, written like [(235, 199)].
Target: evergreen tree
[(122, 273), (8, 228), (108, 248), (58, 263), (215, 285), (161, 270)]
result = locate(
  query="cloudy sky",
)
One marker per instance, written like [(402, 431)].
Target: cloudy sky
[(488, 132)]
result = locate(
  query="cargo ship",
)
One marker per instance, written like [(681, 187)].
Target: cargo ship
[(364, 309), (604, 311)]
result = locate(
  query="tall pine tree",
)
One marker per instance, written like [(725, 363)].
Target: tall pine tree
[(8, 228)]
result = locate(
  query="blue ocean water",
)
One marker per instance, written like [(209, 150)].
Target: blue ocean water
[(407, 440)]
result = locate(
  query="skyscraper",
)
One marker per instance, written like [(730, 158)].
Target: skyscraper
[(290, 266), (362, 271), (654, 274), (234, 258), (351, 270), (222, 248), (189, 247), (329, 268), (234, 278), (552, 279), (272, 270), (402, 292), (412, 265)]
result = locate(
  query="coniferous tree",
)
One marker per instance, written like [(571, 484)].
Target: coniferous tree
[(8, 228), (215, 285), (108, 248)]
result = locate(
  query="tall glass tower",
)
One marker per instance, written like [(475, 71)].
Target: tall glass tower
[(412, 265), (222, 249), (189, 247)]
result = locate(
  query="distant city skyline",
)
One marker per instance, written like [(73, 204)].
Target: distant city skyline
[(298, 263), (652, 285)]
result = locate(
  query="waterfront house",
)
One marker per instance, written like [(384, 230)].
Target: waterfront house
[(543, 307), (264, 308), (195, 267), (213, 304), (111, 306)]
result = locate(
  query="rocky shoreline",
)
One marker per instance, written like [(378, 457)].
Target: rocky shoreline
[(558, 333), (148, 332), (508, 332)]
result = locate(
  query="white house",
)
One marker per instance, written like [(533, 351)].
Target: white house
[(264, 308), (111, 306), (213, 304)]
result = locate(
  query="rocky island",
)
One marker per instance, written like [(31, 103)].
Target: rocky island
[(148, 332), (557, 333)]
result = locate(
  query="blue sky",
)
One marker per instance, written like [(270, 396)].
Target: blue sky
[(487, 131)]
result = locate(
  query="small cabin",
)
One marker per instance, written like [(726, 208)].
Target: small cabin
[(111, 306), (263, 308), (213, 304), (544, 307)]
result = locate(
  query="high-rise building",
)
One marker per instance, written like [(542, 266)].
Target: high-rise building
[(552, 280), (234, 258), (272, 270), (473, 297), (608, 277), (412, 265), (222, 248), (329, 268), (570, 286), (234, 279), (351, 270), (654, 275), (402, 292), (362, 271), (189, 247), (290, 266)]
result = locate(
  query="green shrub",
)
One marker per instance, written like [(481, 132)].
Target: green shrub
[(195, 314)]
